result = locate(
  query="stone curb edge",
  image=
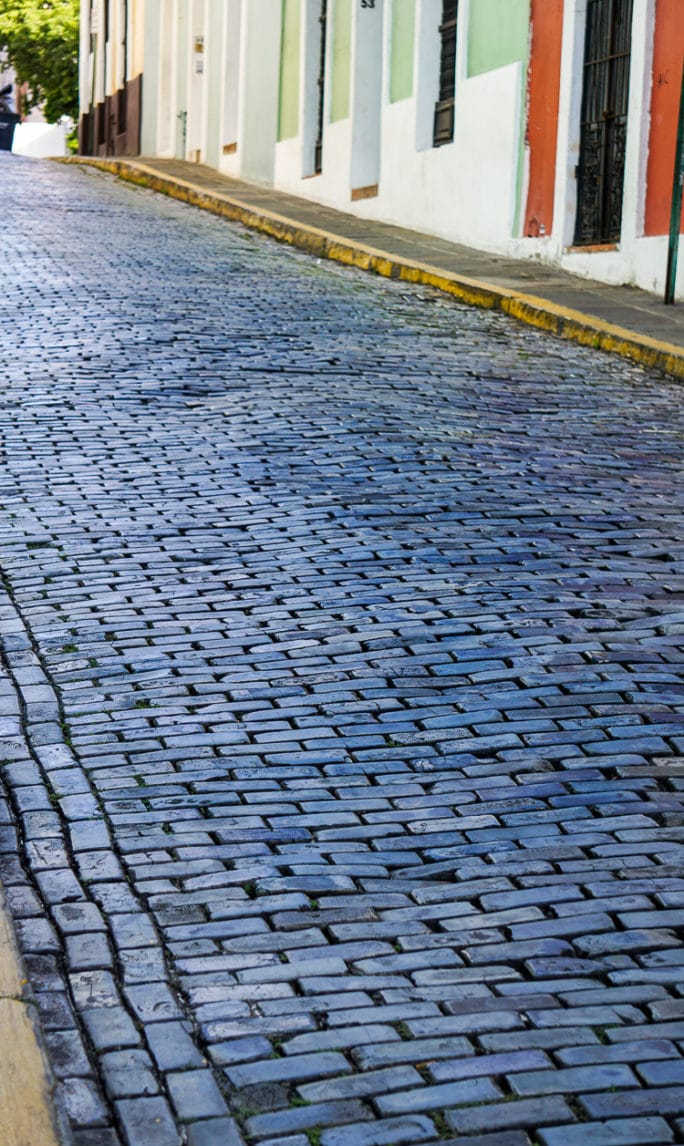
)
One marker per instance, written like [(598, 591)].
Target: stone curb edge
[(538, 312), (27, 1109)]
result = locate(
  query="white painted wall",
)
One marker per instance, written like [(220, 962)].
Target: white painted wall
[(166, 107), (182, 54), (435, 190), (366, 94), (464, 191), (259, 89), (230, 87), (40, 140), (85, 60), (215, 37), (197, 81)]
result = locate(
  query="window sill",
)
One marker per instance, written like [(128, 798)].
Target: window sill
[(592, 248), (369, 192)]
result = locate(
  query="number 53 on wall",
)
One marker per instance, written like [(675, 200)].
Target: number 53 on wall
[(368, 3)]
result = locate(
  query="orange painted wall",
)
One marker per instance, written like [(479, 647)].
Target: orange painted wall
[(668, 50), (543, 86)]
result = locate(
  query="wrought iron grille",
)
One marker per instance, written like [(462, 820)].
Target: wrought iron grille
[(444, 108), (318, 148), (605, 93)]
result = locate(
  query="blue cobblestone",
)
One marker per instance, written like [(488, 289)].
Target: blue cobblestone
[(342, 645)]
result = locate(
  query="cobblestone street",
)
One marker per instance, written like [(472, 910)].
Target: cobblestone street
[(342, 707)]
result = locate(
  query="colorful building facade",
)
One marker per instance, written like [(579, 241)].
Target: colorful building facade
[(110, 77), (540, 129)]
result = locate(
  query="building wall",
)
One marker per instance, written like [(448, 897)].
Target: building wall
[(498, 35), (230, 75), (543, 93), (506, 182), (341, 60), (401, 51), (259, 89), (665, 97), (215, 38), (110, 76), (288, 112), (389, 143), (498, 32)]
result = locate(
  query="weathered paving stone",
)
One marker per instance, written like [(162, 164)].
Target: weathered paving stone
[(286, 1121), (82, 1101), (110, 1028), (597, 1077), (376, 1082), (391, 1132), (194, 1094), (147, 1122), (505, 1138), (439, 1097), (341, 696), (98, 1137), (288, 1069), (613, 1132), (215, 1132), (128, 1074), (658, 1100), (528, 1112), (68, 1056)]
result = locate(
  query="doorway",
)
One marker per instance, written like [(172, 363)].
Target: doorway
[(603, 135)]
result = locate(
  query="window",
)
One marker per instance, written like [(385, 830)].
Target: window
[(444, 108)]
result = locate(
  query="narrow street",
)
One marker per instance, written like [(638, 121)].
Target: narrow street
[(342, 702)]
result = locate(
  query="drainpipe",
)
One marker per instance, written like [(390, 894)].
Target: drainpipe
[(676, 213)]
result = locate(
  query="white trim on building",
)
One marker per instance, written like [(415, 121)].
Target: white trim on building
[(379, 161)]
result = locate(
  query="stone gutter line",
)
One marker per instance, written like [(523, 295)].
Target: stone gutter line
[(34, 1062), (541, 313)]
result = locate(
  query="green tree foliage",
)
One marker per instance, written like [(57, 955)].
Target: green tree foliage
[(41, 38)]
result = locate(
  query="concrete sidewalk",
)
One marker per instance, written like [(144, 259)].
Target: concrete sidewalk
[(28, 1116), (622, 320)]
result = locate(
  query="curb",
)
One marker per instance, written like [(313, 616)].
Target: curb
[(27, 1112), (530, 309)]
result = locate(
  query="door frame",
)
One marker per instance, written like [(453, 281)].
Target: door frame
[(606, 230)]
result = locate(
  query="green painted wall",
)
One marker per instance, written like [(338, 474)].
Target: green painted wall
[(498, 32), (288, 109), (401, 54), (341, 61)]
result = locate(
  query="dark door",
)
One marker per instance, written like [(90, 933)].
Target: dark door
[(605, 93), (318, 147)]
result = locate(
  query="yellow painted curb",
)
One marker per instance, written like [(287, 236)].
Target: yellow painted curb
[(27, 1115), (538, 312)]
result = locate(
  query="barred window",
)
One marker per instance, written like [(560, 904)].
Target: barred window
[(444, 108)]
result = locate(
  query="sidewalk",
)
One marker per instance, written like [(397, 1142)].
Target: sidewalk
[(622, 320), (27, 1114)]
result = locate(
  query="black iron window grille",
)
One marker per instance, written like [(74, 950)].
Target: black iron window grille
[(318, 146), (443, 131)]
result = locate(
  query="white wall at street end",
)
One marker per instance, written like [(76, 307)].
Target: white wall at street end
[(40, 140)]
